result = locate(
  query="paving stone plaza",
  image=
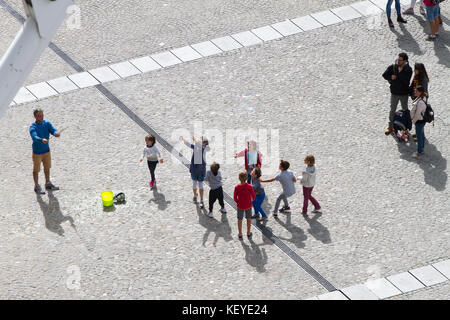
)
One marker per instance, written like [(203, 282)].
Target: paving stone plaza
[(299, 77)]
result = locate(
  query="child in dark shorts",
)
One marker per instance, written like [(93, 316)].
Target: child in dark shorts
[(243, 196)]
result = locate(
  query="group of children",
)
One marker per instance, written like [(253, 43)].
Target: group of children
[(249, 193)]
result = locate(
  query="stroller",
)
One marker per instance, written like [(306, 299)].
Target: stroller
[(402, 123)]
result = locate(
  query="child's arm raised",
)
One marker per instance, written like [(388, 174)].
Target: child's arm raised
[(240, 154), (268, 180)]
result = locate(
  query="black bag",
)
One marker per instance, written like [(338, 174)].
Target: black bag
[(428, 115)]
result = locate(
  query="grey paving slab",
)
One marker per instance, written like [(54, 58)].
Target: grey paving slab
[(326, 17), (267, 33), (23, 95), (366, 8), (346, 13), (246, 38), (443, 267), (226, 43), (62, 84), (104, 74), (145, 64), (186, 53), (381, 4), (41, 90), (83, 79), (165, 59), (206, 48), (359, 292), (334, 295), (286, 28), (437, 292), (307, 23), (382, 288), (125, 69), (428, 275), (405, 282)]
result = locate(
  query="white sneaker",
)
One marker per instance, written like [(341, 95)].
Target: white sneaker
[(222, 210), (210, 214), (202, 205)]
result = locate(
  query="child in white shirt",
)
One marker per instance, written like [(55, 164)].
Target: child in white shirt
[(152, 153)]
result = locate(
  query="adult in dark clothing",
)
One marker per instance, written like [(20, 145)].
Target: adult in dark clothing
[(399, 76)]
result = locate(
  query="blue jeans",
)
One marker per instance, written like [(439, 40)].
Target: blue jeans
[(397, 8), (257, 204), (420, 132)]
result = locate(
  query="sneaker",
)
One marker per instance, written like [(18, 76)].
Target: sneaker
[(210, 214), (316, 211), (263, 219), (388, 130), (249, 235), (400, 19), (38, 189), (202, 205), (422, 11), (431, 37), (284, 209), (255, 216), (416, 155), (275, 215), (194, 199), (391, 24), (51, 186), (409, 11), (223, 210), (152, 183)]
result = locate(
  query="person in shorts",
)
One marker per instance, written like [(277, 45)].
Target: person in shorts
[(40, 131), (243, 196), (197, 167), (433, 17)]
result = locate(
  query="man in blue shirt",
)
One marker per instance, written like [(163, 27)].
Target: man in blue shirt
[(40, 132)]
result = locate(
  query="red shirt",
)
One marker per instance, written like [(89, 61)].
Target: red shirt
[(243, 196)]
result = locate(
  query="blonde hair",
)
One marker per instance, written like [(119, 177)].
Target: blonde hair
[(243, 176), (310, 160)]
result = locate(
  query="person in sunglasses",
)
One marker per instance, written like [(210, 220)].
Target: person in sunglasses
[(40, 131)]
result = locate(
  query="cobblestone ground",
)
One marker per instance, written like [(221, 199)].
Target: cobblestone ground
[(383, 212)]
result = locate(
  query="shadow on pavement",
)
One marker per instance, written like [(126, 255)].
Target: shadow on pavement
[(220, 229), (255, 257), (52, 214), (406, 41), (432, 163), (318, 230), (159, 199), (298, 235)]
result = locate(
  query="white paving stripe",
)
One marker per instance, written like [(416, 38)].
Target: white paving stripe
[(286, 28), (42, 90), (104, 74), (393, 285), (125, 69), (327, 18), (202, 49), (186, 54)]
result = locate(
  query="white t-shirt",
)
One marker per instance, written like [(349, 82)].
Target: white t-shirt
[(151, 153)]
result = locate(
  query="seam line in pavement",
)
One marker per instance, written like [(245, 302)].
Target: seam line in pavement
[(295, 25), (115, 100)]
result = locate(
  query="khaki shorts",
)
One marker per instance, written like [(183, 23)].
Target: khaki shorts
[(46, 160)]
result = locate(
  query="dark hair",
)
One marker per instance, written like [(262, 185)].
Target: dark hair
[(151, 138), (421, 90), (310, 160), (284, 164), (422, 72), (258, 172), (403, 55), (37, 110), (215, 168)]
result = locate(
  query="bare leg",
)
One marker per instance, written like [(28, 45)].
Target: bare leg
[(201, 194), (240, 227), (195, 192), (36, 178), (47, 175), (249, 224)]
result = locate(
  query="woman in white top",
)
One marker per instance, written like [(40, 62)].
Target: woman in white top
[(417, 112)]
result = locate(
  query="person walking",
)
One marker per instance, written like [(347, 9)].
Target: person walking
[(40, 131), (197, 167), (151, 153), (214, 178), (243, 196), (417, 112), (308, 181), (399, 12), (252, 157), (410, 10), (433, 16), (399, 76)]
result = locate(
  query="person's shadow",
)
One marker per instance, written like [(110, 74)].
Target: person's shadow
[(159, 199), (406, 41), (255, 256), (52, 214), (220, 229), (316, 229), (298, 235), (432, 163)]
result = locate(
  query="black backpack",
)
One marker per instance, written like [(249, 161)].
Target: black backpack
[(428, 115)]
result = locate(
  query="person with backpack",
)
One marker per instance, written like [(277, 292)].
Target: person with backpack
[(417, 117), (399, 76), (420, 79)]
